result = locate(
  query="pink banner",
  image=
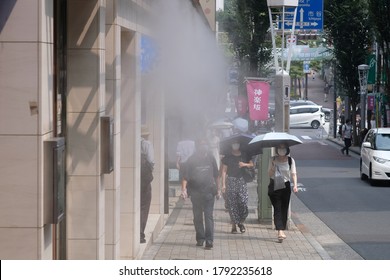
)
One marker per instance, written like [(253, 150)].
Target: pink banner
[(370, 102), (241, 105), (258, 93)]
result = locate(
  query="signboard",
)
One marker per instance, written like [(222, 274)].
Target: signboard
[(148, 54), (258, 94), (309, 15), (304, 53), (306, 67)]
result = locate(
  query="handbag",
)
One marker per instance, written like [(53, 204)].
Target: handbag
[(278, 180), (248, 174)]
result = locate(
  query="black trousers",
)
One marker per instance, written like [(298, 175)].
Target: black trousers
[(280, 200), (146, 198), (347, 143)]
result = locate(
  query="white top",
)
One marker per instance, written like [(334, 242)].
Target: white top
[(147, 149), (284, 168), (185, 149)]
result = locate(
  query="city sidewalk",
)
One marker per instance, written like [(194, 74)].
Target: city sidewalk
[(307, 239)]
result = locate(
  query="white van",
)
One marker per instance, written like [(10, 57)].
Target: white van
[(307, 116)]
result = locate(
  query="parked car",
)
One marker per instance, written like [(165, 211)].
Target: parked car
[(307, 115), (299, 102), (375, 155)]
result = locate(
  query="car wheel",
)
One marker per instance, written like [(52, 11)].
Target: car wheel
[(315, 124), (362, 175)]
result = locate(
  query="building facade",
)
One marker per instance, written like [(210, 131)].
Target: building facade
[(63, 66), (73, 96)]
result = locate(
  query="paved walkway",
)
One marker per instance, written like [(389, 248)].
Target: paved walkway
[(307, 239)]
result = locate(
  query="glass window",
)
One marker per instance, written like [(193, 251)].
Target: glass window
[(382, 142), (304, 110)]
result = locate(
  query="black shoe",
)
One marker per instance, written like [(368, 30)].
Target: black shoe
[(142, 240), (242, 228), (199, 243), (234, 229), (209, 245)]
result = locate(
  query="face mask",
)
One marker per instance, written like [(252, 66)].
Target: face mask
[(235, 146), (282, 151)]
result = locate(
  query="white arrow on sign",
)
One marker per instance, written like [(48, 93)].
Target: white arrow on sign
[(301, 14)]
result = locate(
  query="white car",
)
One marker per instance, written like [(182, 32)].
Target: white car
[(307, 116), (375, 155), (299, 102)]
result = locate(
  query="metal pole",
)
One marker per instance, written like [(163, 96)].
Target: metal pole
[(306, 81), (363, 70)]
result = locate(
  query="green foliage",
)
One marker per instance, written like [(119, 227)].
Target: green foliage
[(348, 27), (379, 16), (246, 22)]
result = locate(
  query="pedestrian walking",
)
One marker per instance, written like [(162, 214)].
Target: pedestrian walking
[(235, 187), (280, 198), (200, 183), (346, 136), (147, 165)]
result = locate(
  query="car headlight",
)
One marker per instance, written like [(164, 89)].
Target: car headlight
[(381, 160)]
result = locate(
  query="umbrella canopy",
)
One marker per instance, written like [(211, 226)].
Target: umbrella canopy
[(226, 144), (241, 124), (221, 124), (271, 139)]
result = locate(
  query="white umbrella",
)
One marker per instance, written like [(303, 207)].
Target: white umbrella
[(221, 124), (241, 124), (271, 139)]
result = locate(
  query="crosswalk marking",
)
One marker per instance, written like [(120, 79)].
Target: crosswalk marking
[(306, 137)]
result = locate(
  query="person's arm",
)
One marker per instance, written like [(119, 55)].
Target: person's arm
[(293, 173), (295, 182), (224, 171), (178, 162), (245, 164), (184, 194), (271, 168)]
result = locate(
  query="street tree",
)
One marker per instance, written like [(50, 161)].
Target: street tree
[(379, 17), (246, 22), (348, 30)]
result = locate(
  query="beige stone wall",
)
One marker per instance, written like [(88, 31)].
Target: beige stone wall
[(26, 82), (103, 78)]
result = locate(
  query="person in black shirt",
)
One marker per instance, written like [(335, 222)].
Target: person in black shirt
[(200, 183), (235, 187)]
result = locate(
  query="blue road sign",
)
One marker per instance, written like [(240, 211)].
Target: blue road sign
[(310, 15)]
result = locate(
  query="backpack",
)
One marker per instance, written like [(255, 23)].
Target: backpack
[(200, 174)]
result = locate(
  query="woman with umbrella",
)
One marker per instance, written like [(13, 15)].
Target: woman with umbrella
[(280, 198), (234, 185)]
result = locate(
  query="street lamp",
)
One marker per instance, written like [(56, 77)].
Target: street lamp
[(363, 76), (282, 14)]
